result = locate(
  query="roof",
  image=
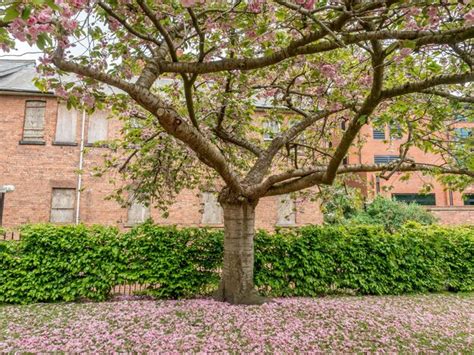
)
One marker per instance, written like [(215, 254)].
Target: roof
[(18, 75)]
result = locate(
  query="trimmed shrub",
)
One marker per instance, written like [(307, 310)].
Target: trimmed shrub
[(173, 263), (365, 260), (59, 263), (66, 263)]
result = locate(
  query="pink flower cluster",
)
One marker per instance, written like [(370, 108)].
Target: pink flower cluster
[(408, 324), (191, 3), (42, 20), (469, 18), (256, 5)]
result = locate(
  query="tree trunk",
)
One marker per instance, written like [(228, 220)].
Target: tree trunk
[(236, 284)]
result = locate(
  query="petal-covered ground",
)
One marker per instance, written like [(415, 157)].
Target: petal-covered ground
[(337, 324)]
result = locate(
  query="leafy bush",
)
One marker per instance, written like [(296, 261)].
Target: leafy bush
[(65, 263), (392, 215), (345, 208)]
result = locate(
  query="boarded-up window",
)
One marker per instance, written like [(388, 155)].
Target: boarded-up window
[(286, 211), (62, 205), (271, 130), (66, 125), (34, 121), (98, 126), (212, 210), (137, 213)]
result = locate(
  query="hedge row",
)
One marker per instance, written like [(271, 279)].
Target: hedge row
[(66, 263)]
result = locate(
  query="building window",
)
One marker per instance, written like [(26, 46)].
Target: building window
[(212, 211), (379, 133), (385, 159), (137, 213), (271, 130), (468, 199), (98, 127), (462, 133), (419, 199), (62, 205), (66, 125), (286, 211), (460, 118), (33, 130)]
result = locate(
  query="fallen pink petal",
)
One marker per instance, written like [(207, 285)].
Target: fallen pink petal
[(421, 323)]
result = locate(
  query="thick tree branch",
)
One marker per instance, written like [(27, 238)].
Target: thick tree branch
[(466, 57), (310, 177), (261, 166), (243, 143), (160, 28), (303, 46), (207, 152), (449, 96), (420, 86), (362, 114)]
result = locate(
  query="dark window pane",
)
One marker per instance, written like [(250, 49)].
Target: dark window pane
[(469, 199), (463, 133), (420, 199), (379, 134), (385, 159), (460, 118)]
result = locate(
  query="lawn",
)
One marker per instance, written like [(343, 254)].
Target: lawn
[(438, 322)]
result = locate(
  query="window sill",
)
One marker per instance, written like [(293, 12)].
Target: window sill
[(211, 226), (93, 145), (69, 144), (23, 142)]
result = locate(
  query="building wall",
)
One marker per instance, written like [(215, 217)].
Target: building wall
[(35, 170), (417, 181)]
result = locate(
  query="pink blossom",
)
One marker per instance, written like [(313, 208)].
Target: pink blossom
[(188, 3), (469, 18), (45, 15), (69, 24), (60, 92), (328, 70), (309, 4)]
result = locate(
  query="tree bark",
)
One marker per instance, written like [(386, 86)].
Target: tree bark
[(237, 286)]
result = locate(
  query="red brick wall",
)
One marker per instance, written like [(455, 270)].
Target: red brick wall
[(454, 215), (396, 184), (35, 170)]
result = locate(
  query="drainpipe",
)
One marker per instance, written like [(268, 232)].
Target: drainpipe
[(81, 164), (3, 190)]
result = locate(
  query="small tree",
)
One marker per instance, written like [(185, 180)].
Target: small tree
[(318, 62)]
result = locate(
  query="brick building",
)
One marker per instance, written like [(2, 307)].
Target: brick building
[(41, 152)]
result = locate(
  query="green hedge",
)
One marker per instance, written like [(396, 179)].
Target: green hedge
[(366, 260), (65, 263)]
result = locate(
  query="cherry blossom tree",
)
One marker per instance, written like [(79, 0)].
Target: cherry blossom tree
[(190, 75)]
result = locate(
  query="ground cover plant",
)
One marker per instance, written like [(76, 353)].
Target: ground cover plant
[(424, 323)]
